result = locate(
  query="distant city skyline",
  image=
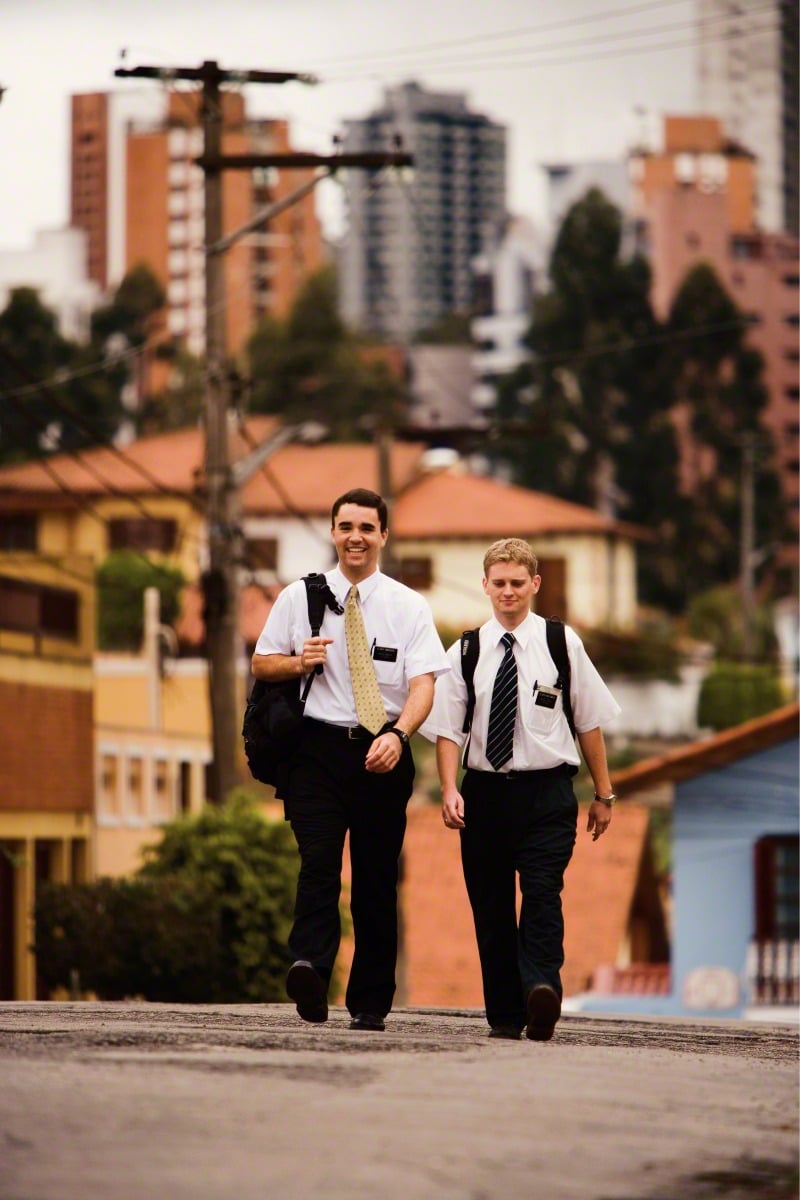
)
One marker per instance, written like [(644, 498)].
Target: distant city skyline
[(572, 80)]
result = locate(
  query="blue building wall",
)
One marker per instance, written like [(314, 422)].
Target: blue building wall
[(717, 819)]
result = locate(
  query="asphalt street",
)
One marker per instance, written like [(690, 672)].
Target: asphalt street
[(138, 1102)]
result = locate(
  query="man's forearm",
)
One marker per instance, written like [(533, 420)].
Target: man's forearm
[(593, 748), (418, 703), (276, 668), (448, 756)]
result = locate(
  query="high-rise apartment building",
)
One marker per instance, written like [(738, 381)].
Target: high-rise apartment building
[(412, 236), (748, 77), (137, 191)]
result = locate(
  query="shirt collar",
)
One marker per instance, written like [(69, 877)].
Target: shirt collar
[(522, 633), (342, 585)]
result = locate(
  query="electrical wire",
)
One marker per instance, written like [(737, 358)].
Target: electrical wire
[(498, 35), (497, 59)]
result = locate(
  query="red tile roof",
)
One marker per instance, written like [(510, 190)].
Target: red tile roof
[(723, 748), (307, 479), (168, 462), (457, 504)]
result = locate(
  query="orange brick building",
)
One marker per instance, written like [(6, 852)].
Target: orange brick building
[(137, 191)]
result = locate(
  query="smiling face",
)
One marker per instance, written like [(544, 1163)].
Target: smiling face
[(510, 588), (358, 540)]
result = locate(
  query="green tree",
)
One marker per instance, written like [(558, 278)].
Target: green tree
[(309, 367), (132, 309), (584, 417), (719, 396), (58, 396), (122, 580)]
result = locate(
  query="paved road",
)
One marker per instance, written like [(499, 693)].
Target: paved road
[(138, 1102)]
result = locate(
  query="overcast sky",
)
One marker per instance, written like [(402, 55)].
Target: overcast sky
[(571, 79)]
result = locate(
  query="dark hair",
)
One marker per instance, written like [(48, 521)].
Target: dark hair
[(365, 499)]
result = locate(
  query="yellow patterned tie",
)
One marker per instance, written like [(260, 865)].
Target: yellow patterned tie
[(367, 694)]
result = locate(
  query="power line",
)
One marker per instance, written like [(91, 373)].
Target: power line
[(499, 35), (486, 63)]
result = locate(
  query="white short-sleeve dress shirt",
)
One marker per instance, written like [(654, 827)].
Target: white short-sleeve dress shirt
[(400, 631), (541, 735)]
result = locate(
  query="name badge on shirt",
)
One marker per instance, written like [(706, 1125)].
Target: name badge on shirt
[(384, 653), (546, 697)]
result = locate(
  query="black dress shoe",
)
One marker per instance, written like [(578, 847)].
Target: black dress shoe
[(510, 1032), (368, 1021), (308, 990), (544, 1009)]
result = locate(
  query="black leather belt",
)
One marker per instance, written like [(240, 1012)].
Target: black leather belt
[(564, 769), (353, 733)]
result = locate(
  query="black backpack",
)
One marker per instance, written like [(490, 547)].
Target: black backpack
[(556, 644), (273, 716)]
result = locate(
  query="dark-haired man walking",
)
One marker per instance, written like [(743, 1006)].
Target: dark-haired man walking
[(353, 770)]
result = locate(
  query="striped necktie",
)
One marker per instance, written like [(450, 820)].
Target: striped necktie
[(503, 711), (366, 693)]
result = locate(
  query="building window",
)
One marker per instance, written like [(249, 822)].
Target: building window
[(184, 788), (34, 608), (777, 870), (18, 532), (142, 533), (416, 573), (135, 799), (163, 808), (109, 800)]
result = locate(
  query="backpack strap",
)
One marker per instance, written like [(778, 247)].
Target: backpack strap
[(318, 597), (557, 645), (470, 650)]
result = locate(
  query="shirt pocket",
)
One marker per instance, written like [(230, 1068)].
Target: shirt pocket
[(542, 710), (390, 673)]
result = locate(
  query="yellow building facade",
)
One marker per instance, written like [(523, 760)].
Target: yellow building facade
[(47, 621)]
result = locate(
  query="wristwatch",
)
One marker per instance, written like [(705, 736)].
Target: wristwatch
[(609, 800), (401, 733)]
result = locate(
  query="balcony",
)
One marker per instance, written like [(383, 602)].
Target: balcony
[(773, 971)]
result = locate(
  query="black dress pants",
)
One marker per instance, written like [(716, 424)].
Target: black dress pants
[(330, 792), (526, 825)]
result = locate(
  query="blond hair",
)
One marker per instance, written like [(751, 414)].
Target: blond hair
[(510, 550)]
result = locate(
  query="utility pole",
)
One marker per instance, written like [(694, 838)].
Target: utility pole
[(221, 589), (747, 556)]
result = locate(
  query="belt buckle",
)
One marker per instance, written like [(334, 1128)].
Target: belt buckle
[(354, 733), (512, 774)]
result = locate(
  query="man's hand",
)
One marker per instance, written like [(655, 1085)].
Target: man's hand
[(599, 819), (384, 753), (314, 653), (452, 808)]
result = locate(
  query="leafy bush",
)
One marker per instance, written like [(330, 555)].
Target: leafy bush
[(650, 653), (124, 937), (205, 920), (121, 583), (716, 616), (736, 692)]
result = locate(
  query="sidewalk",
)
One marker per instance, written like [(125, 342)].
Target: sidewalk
[(143, 1102)]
